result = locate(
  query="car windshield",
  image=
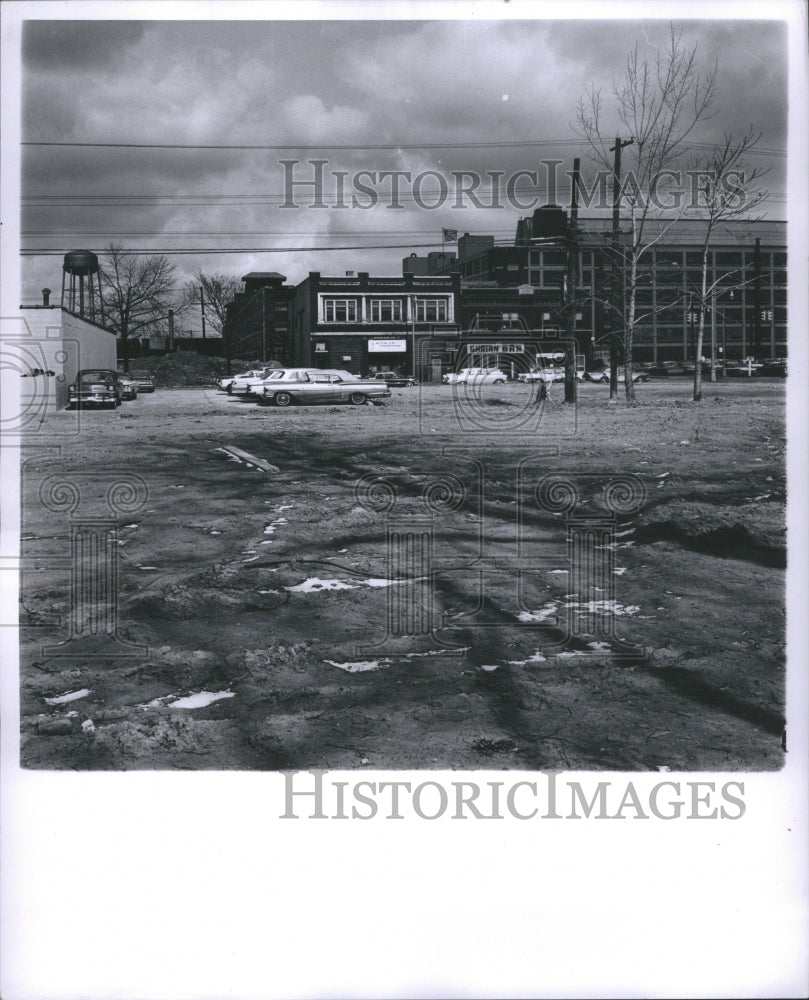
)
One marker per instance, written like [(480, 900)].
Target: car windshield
[(97, 376), (275, 373)]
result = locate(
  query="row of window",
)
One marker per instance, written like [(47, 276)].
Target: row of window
[(344, 310)]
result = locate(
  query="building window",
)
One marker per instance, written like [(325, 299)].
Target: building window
[(386, 311), (340, 310), (431, 310)]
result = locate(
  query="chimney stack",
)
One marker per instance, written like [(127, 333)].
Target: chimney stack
[(46, 297)]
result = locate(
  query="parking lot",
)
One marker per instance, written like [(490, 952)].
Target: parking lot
[(275, 613)]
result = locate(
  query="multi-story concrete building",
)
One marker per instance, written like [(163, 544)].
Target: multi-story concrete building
[(523, 285)]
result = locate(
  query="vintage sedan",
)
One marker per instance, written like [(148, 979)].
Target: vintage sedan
[(144, 380), (129, 387), (475, 376), (238, 383), (95, 387), (392, 379), (287, 386)]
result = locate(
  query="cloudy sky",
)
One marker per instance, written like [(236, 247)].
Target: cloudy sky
[(374, 95)]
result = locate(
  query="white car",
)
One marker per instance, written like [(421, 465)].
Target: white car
[(477, 376), (237, 383), (287, 386)]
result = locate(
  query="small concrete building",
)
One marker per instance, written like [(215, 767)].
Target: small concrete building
[(43, 349)]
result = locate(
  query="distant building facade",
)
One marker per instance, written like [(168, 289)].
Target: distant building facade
[(257, 321)]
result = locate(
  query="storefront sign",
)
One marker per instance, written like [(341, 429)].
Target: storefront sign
[(495, 348), (386, 346)]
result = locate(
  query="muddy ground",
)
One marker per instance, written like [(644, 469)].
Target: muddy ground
[(283, 619)]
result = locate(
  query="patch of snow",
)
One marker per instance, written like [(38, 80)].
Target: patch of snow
[(269, 591), (553, 571), (607, 607), (286, 506), (536, 657), (488, 666), (146, 567), (599, 645), (358, 666), (88, 726), (539, 616), (315, 585), (619, 570), (201, 699), (131, 525), (63, 699)]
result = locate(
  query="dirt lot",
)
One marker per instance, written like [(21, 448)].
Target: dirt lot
[(406, 590)]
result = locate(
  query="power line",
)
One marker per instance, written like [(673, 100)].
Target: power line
[(479, 144)]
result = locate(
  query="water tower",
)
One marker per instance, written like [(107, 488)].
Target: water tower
[(84, 286)]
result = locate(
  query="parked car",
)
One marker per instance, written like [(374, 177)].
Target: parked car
[(95, 387), (477, 376), (772, 367), (604, 376), (129, 387), (237, 383), (391, 378), (144, 380), (286, 386), (665, 369)]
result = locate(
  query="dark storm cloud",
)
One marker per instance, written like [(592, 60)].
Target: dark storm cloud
[(330, 88), (58, 44)]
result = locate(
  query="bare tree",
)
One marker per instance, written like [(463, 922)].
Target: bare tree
[(138, 292), (658, 104), (218, 291), (728, 189)]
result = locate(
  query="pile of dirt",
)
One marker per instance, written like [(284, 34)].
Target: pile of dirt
[(186, 368)]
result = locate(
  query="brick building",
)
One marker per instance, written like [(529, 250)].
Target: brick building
[(364, 323), (257, 322)]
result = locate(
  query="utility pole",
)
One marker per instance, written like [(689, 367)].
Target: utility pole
[(171, 329), (757, 299), (572, 286), (618, 271), (202, 307)]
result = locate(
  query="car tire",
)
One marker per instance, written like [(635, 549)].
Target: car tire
[(229, 389), (499, 381), (282, 399), (357, 399)]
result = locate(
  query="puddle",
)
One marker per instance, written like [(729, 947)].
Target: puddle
[(315, 585), (269, 591), (201, 699), (63, 699), (358, 666)]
